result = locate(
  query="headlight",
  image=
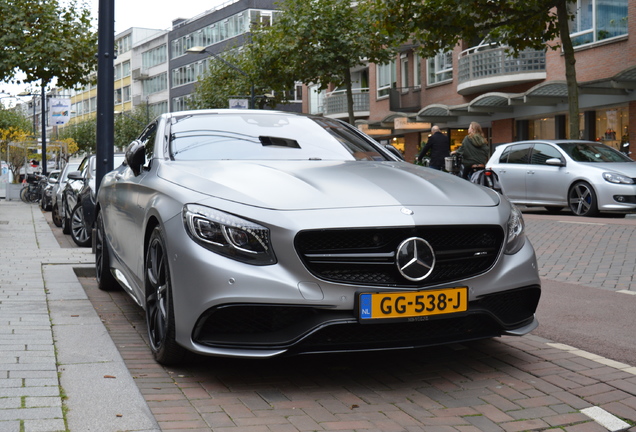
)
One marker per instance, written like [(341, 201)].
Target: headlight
[(228, 235), (617, 178), (516, 237)]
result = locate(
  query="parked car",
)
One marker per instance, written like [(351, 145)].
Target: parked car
[(47, 189), (259, 233), (78, 201), (585, 176), (58, 188)]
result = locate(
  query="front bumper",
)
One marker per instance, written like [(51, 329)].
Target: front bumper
[(301, 329)]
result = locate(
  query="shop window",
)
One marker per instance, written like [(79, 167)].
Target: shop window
[(597, 20), (612, 126)]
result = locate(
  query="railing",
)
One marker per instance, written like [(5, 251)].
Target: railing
[(405, 99), (478, 63), (336, 101)]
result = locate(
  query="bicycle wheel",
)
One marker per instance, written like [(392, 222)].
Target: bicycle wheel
[(24, 195)]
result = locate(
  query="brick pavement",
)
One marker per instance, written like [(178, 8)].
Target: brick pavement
[(597, 252), (506, 384)]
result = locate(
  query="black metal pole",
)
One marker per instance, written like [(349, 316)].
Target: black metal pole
[(105, 89), (44, 129)]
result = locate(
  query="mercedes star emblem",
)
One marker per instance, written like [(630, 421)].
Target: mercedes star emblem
[(415, 259)]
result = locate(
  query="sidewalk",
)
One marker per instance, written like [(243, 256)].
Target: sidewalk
[(60, 369)]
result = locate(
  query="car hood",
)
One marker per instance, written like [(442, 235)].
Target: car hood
[(625, 168), (286, 185)]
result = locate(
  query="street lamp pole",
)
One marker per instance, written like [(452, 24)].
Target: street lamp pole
[(44, 163), (202, 50)]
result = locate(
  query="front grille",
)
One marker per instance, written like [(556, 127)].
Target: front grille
[(309, 329), (367, 256)]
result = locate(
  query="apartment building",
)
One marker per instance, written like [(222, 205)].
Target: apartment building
[(154, 68), (513, 98)]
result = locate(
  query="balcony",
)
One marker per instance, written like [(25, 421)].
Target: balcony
[(405, 99), (335, 103), (483, 68)]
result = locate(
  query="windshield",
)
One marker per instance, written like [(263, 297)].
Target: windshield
[(592, 152), (267, 136)]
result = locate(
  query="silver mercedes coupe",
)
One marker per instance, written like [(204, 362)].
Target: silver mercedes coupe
[(248, 233)]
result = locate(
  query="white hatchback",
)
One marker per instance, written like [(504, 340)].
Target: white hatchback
[(585, 176)]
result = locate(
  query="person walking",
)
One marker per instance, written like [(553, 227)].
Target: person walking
[(474, 150), (439, 146)]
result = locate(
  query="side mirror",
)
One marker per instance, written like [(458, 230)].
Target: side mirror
[(136, 156), (75, 175), (555, 162)]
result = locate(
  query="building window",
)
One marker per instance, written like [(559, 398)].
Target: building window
[(596, 20), (155, 84), (386, 78), (227, 28), (440, 68), (417, 70), (125, 69), (189, 73), (404, 70), (181, 103), (154, 57)]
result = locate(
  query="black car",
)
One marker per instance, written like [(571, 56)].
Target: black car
[(78, 201)]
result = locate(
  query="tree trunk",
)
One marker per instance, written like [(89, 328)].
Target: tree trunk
[(570, 68), (349, 85)]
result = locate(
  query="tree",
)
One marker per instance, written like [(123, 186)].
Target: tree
[(129, 124), (223, 81), (47, 41), (83, 134), (14, 139), (439, 25), (320, 41)]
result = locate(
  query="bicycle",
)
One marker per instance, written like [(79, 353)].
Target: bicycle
[(32, 192)]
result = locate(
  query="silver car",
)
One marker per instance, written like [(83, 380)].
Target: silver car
[(56, 196), (257, 233), (585, 176)]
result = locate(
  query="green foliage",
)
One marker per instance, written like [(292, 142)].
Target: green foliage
[(320, 41), (46, 40), (128, 125), (84, 134), (438, 25), (14, 118)]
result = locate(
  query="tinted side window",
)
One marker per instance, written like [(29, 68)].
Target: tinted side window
[(543, 152), (520, 154)]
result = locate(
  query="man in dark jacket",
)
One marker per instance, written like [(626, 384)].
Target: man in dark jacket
[(439, 146)]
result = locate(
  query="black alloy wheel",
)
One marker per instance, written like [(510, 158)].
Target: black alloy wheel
[(81, 235), (582, 200), (105, 279), (159, 306)]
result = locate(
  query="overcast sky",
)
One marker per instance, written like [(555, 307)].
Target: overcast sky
[(157, 14)]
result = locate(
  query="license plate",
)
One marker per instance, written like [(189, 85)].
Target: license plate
[(413, 304)]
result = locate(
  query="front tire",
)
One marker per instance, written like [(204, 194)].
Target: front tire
[(79, 233), (582, 199), (66, 224), (55, 215), (105, 279), (159, 303)]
